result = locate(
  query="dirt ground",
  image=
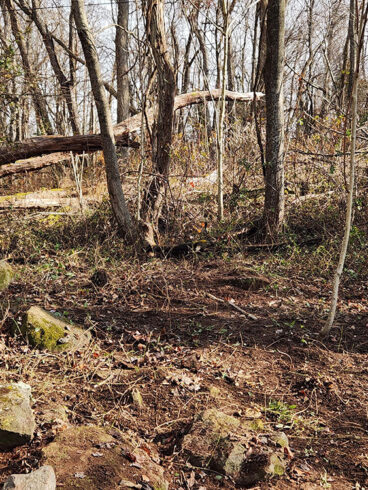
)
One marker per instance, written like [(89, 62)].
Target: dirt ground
[(157, 318)]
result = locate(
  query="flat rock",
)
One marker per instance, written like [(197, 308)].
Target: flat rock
[(47, 331), (91, 458), (17, 422), (6, 274), (41, 479), (230, 445)]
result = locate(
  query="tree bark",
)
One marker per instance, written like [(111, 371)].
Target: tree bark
[(32, 164), (163, 126), (274, 166), (115, 189), (121, 59)]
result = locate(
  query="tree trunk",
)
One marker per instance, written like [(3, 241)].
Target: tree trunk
[(221, 116), (356, 36), (107, 134), (273, 74), (122, 56), (163, 127)]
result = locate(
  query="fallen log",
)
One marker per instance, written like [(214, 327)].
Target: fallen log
[(35, 202), (32, 164), (40, 145)]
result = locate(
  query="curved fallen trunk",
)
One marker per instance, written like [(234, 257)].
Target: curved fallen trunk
[(123, 131)]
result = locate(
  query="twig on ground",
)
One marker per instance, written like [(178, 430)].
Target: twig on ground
[(231, 303)]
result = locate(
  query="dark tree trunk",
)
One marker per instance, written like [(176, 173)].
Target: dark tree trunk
[(163, 126), (273, 74)]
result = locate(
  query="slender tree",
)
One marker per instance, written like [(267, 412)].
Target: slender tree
[(274, 83), (107, 135), (357, 24)]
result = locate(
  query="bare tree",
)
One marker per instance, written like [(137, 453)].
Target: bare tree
[(163, 127), (357, 24), (65, 84), (107, 135), (122, 57), (39, 103)]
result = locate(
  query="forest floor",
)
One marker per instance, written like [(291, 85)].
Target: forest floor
[(157, 320)]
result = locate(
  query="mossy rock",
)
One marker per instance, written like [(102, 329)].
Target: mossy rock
[(47, 331), (230, 445), (17, 422), (104, 459), (6, 274)]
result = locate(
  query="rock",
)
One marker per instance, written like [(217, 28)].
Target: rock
[(17, 422), (230, 445), (137, 398), (41, 479), (46, 331), (105, 458), (6, 274)]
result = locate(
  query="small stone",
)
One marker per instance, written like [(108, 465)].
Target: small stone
[(46, 331), (137, 398), (17, 422), (6, 274), (281, 439), (214, 391), (41, 479)]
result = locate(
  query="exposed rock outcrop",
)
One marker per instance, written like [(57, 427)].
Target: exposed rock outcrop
[(17, 422)]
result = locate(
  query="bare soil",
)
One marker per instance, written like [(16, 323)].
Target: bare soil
[(156, 319)]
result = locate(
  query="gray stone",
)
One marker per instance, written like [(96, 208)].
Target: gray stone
[(17, 422), (41, 479), (6, 274), (230, 446), (46, 331)]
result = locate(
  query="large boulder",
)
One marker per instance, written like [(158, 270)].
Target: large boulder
[(6, 274), (17, 422), (47, 331), (41, 479), (232, 446), (91, 458)]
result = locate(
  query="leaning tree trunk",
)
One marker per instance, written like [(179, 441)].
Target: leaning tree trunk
[(163, 126), (273, 74), (107, 133)]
